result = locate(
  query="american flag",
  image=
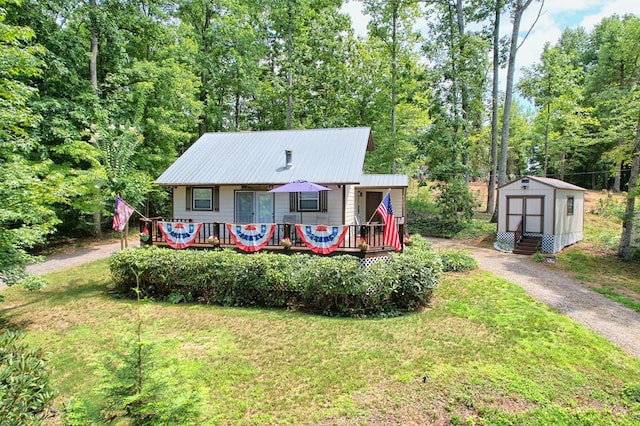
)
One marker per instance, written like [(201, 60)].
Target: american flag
[(122, 213), (390, 236)]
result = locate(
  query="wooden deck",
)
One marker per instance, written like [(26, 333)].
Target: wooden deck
[(372, 234)]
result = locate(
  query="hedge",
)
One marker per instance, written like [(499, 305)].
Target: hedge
[(336, 285)]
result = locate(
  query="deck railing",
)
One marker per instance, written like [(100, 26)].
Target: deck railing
[(372, 235), (517, 234)]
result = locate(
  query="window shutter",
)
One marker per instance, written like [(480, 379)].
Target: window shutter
[(189, 199), (324, 201), (216, 198), (293, 201)]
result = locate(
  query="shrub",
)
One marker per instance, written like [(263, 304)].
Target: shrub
[(455, 202), (457, 261), (417, 273), (336, 285), (25, 393)]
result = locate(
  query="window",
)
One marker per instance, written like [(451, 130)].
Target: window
[(308, 202), (203, 198), (570, 206)]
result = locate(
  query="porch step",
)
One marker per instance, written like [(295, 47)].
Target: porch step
[(528, 245)]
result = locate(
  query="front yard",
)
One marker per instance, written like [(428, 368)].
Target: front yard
[(483, 352)]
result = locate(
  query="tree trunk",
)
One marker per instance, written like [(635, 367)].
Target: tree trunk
[(618, 178), (394, 77), (93, 60), (508, 96), (491, 194), (289, 64), (627, 222), (203, 125), (546, 138), (464, 93), (93, 75)]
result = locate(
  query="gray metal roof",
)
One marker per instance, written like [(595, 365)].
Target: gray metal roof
[(324, 156), (554, 183), (383, 181)]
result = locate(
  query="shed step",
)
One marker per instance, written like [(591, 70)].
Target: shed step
[(527, 245)]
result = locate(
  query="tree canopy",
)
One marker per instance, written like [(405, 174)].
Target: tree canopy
[(100, 96)]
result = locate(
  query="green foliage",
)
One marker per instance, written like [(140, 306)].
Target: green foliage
[(29, 187), (25, 391), (455, 202), (631, 391), (538, 257), (330, 285), (139, 388), (457, 261)]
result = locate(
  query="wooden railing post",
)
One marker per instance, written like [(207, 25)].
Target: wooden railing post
[(216, 229)]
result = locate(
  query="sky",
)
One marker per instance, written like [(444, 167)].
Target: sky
[(556, 16)]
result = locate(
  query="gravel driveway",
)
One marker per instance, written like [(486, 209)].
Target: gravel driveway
[(607, 318), (76, 257), (552, 287)]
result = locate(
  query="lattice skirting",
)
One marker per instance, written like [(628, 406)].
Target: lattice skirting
[(368, 261), (550, 243)]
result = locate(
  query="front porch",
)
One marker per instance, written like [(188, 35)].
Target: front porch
[(372, 234)]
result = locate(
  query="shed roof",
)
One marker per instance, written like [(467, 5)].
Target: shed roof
[(323, 156), (554, 183), (383, 181)]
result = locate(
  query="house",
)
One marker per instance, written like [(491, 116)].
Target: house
[(226, 178), (543, 213)]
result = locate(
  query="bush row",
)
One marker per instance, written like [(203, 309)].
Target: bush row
[(336, 285)]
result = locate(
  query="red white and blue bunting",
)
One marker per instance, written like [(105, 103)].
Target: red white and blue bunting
[(179, 234), (322, 239), (251, 237)]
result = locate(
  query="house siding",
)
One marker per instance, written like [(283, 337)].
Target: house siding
[(281, 207)]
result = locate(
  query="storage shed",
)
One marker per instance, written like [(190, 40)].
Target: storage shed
[(548, 210)]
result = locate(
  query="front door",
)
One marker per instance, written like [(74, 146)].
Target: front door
[(254, 207), (529, 210), (373, 201)]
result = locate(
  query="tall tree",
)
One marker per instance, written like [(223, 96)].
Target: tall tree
[(392, 23), (495, 66), (29, 187), (612, 86), (459, 60), (518, 9)]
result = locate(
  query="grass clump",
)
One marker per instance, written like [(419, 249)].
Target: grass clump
[(457, 260)]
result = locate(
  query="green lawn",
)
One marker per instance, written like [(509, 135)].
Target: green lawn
[(483, 353), (594, 261)]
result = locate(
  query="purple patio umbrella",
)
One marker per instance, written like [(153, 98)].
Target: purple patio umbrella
[(300, 186)]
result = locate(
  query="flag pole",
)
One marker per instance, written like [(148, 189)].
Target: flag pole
[(376, 211)]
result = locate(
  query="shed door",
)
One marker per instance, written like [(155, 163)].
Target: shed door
[(529, 210)]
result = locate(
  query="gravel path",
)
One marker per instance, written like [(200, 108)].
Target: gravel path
[(76, 257), (552, 287)]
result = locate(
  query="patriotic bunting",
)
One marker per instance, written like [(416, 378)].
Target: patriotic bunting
[(179, 234), (322, 239), (251, 237)]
